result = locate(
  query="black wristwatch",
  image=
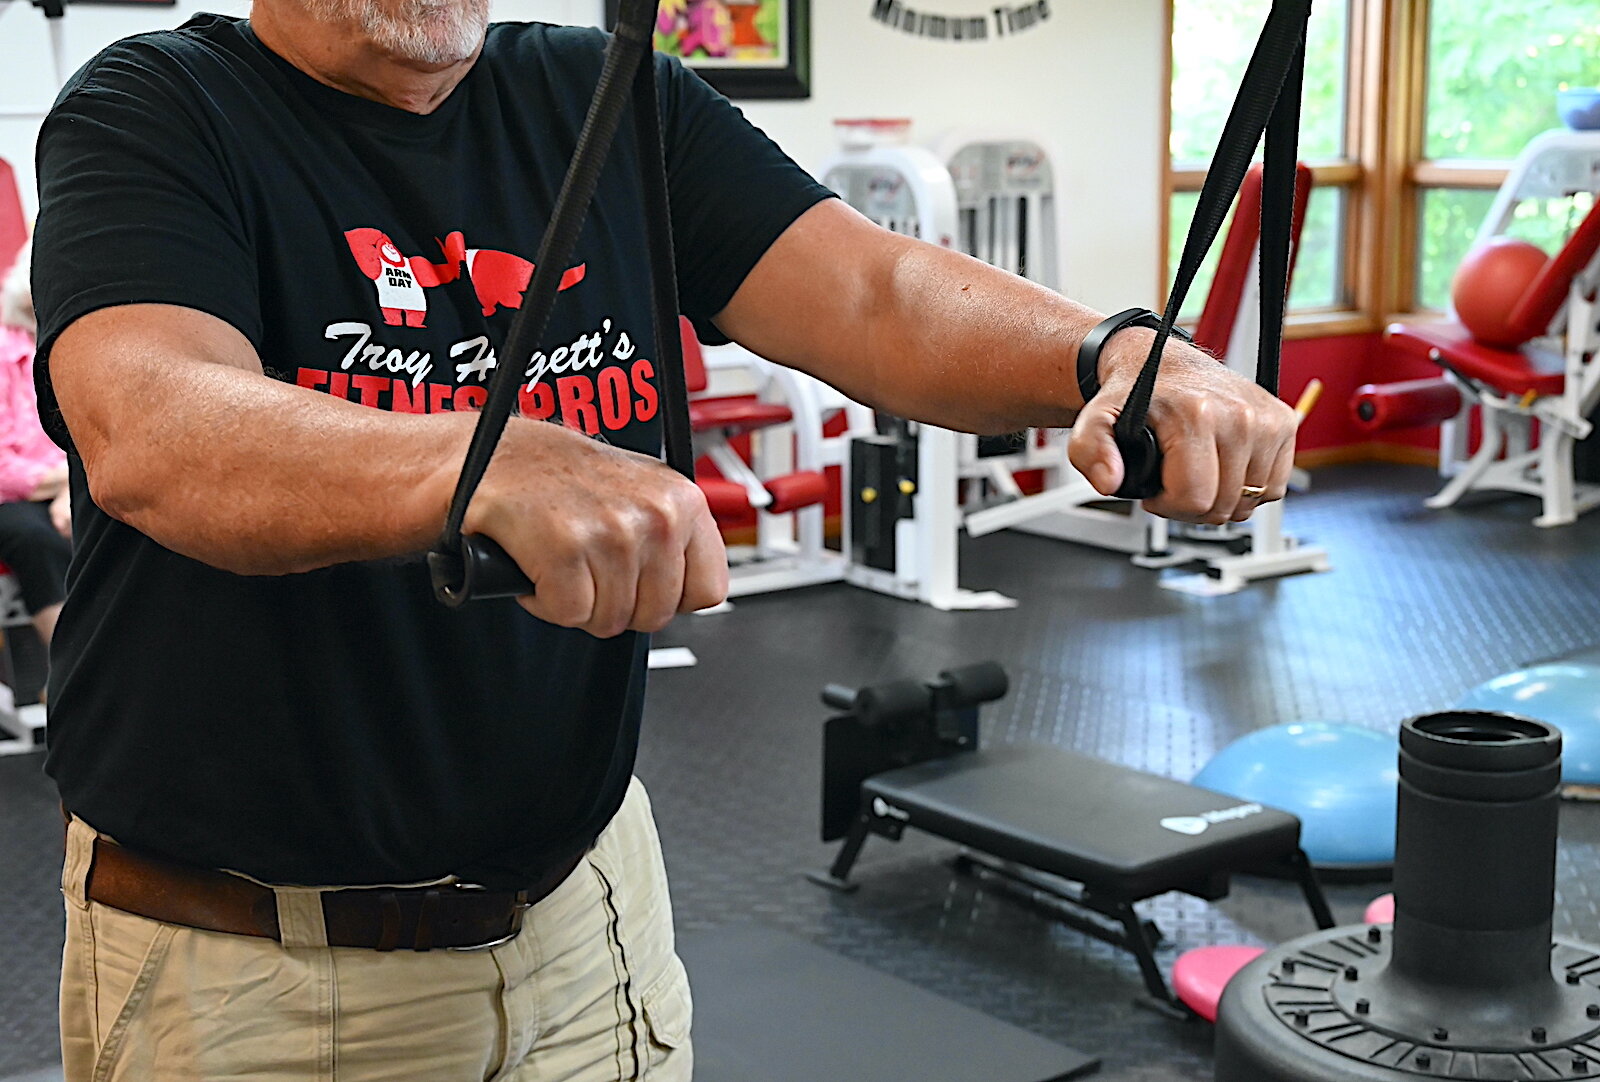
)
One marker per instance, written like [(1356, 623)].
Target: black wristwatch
[(1095, 341)]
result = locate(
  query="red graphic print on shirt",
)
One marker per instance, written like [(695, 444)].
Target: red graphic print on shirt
[(402, 280), (499, 278)]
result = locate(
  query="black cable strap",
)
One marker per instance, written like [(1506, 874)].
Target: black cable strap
[(663, 271), (1268, 101), (464, 567), (467, 567)]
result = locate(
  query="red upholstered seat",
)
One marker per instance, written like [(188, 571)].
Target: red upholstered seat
[(735, 415), (727, 499), (731, 416), (792, 491), (1511, 372)]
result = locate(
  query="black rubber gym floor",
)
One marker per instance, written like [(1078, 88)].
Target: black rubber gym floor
[(1421, 605)]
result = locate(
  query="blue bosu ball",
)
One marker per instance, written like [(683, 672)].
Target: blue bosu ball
[(1565, 694), (1341, 780)]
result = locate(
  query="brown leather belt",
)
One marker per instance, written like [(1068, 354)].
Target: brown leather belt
[(450, 917)]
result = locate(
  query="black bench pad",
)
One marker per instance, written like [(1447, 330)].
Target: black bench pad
[(1085, 819)]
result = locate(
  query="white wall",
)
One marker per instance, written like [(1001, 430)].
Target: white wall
[(1088, 82)]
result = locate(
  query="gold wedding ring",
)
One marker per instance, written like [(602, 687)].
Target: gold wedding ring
[(1253, 492)]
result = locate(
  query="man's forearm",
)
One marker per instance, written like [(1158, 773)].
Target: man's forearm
[(221, 464), (950, 324), (325, 482), (185, 439), (932, 335), (916, 330)]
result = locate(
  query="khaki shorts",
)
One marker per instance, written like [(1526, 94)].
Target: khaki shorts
[(589, 991)]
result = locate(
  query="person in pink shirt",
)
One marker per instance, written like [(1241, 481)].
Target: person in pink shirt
[(35, 510)]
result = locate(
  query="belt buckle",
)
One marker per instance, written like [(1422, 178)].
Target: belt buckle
[(518, 908)]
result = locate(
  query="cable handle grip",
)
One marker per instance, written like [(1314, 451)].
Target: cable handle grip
[(1141, 454), (477, 570), (1267, 103), (1141, 464), (465, 567)]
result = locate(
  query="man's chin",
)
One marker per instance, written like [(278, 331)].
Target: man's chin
[(416, 32)]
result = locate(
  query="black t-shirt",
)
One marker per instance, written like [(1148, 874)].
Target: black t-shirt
[(341, 726)]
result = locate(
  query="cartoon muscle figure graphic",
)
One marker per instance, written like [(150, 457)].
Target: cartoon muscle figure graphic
[(402, 280), (501, 278)]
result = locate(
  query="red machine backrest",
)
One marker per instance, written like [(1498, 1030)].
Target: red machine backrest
[(13, 223), (1214, 332), (1548, 292), (694, 362)]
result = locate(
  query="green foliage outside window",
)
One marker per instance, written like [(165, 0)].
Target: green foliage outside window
[(1449, 220), (1318, 277), (1494, 67), (1211, 44)]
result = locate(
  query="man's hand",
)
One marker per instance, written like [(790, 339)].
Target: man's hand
[(613, 541), (61, 513), (1218, 432)]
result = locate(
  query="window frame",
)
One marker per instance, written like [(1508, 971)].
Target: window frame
[(1383, 174)]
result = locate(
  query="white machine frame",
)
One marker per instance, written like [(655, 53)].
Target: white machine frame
[(1069, 508), (908, 190), (945, 197), (1558, 164)]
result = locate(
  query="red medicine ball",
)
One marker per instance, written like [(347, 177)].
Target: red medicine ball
[(1488, 285)]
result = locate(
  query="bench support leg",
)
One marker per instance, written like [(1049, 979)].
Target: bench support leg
[(1312, 888), (1137, 940), (838, 876)]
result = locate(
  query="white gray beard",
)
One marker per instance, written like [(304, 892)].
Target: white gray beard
[(421, 31)]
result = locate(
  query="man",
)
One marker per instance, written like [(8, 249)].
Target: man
[(256, 700)]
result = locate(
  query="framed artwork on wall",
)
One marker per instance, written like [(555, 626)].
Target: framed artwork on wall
[(744, 48)]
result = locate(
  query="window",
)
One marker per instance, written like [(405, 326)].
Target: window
[(1493, 69), (1211, 44), (1413, 110)]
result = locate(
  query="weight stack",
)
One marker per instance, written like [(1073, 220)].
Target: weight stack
[(1467, 983)]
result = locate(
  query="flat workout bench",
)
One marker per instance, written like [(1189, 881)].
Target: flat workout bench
[(1090, 836)]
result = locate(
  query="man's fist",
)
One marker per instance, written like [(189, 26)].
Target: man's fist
[(612, 541), (1222, 436)]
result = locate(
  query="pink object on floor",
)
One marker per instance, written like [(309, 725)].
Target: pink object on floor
[(1381, 911), (1200, 975)]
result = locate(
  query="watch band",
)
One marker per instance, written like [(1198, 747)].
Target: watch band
[(1094, 342)]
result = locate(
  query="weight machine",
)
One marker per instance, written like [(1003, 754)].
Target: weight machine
[(1534, 402), (993, 197), (901, 510)]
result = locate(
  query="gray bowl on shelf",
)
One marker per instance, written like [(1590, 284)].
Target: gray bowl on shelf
[(1579, 108)]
